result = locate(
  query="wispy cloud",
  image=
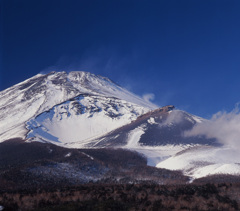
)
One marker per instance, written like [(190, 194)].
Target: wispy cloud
[(148, 97), (102, 61), (106, 62)]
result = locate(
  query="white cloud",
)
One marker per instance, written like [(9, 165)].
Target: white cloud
[(223, 126)]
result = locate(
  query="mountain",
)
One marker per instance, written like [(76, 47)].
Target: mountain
[(26, 100), (65, 135), (79, 110)]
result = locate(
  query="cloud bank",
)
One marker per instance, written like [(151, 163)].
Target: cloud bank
[(223, 126)]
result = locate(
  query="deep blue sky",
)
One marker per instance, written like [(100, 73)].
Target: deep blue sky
[(185, 52)]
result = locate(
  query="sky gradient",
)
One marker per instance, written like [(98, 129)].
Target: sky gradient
[(186, 53)]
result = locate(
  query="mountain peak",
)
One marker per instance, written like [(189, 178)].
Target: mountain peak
[(28, 99)]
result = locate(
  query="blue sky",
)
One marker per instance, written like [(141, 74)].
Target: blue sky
[(187, 53)]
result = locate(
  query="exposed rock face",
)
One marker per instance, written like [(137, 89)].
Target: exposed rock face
[(168, 108)]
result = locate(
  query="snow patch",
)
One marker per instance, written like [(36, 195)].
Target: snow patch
[(157, 154), (134, 137), (92, 158), (151, 121), (68, 155), (202, 161)]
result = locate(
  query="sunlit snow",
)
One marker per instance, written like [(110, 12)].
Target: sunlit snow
[(28, 99), (203, 161), (82, 119)]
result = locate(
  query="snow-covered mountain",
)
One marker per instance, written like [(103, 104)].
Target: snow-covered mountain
[(26, 100), (82, 110)]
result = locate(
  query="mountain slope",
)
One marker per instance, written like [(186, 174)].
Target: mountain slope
[(26, 100), (159, 127), (82, 119), (157, 134), (46, 165)]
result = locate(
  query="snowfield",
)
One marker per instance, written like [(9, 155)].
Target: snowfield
[(82, 119), (203, 161)]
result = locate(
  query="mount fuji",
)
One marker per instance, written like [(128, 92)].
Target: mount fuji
[(80, 110)]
